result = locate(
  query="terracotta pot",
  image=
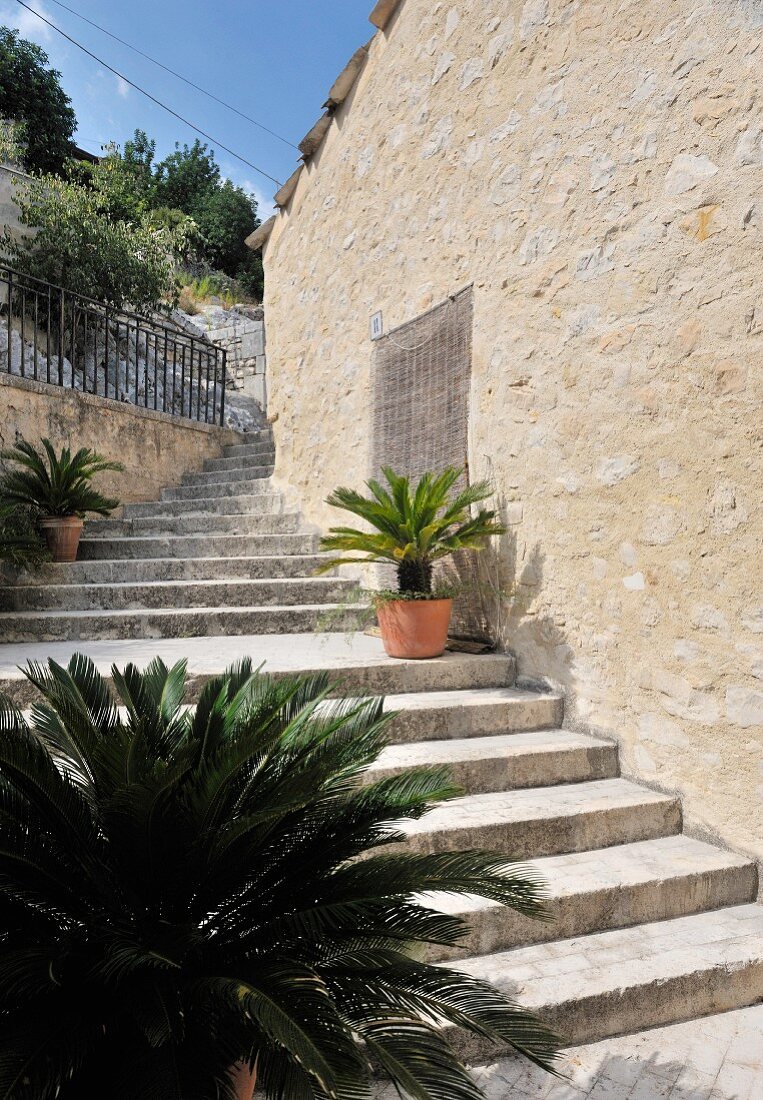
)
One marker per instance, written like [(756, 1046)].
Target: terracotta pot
[(62, 534), (244, 1080), (414, 628)]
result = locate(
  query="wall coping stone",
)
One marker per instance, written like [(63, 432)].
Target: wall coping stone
[(124, 408)]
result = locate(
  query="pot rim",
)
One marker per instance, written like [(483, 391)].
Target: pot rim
[(440, 599), (61, 521)]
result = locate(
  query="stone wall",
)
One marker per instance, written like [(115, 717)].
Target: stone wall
[(241, 331), (156, 450), (596, 170)]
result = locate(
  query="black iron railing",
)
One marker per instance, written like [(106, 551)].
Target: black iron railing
[(51, 335)]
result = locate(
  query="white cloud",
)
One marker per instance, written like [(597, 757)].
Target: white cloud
[(265, 207), (25, 22), (263, 195), (123, 88)]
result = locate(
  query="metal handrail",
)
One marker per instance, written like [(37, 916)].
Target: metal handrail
[(117, 354)]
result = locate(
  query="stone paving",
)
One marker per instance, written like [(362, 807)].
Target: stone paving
[(715, 1058)]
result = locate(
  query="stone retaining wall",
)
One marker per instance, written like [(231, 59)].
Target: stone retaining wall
[(156, 450), (241, 331), (596, 171)]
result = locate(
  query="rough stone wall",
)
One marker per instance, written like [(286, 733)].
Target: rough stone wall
[(241, 331), (596, 169), (156, 450)]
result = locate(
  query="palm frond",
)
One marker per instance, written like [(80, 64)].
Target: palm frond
[(412, 527), (55, 485), (184, 891)]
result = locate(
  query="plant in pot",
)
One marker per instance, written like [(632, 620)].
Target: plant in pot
[(58, 488), (414, 528), (184, 909)]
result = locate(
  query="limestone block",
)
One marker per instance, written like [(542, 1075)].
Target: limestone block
[(750, 147), (534, 15), (687, 171), (744, 707)]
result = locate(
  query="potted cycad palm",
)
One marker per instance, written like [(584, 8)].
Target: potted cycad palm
[(184, 908), (58, 488), (414, 528)]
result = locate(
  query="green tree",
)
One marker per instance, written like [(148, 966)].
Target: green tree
[(138, 157), (186, 177), (190, 180), (225, 217), (30, 93)]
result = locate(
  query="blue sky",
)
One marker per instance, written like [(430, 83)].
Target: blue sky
[(274, 61)]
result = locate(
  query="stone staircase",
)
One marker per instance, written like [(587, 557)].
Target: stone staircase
[(650, 926), (217, 555)]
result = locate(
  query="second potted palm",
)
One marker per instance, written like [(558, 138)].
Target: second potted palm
[(413, 528), (58, 488)]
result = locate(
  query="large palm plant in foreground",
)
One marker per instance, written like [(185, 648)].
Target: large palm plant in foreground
[(181, 893)]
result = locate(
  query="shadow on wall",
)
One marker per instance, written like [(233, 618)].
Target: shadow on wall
[(502, 587)]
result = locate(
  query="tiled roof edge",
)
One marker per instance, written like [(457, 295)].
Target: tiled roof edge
[(383, 12), (314, 138), (257, 239)]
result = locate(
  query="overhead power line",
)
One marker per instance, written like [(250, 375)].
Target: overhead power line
[(148, 95), (178, 76)]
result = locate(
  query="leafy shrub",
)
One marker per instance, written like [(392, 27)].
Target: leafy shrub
[(79, 244), (20, 544), (182, 892)]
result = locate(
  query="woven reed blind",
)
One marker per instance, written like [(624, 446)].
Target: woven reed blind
[(422, 378)]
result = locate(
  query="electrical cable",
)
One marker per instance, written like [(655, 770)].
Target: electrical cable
[(178, 76), (148, 95)]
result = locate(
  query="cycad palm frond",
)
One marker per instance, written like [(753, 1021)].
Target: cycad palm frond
[(413, 526), (182, 891), (56, 485)]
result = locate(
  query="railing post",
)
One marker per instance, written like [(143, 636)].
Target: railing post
[(22, 292), (61, 323), (74, 348), (106, 357), (190, 383), (164, 375), (10, 320), (222, 387), (48, 323), (36, 324)]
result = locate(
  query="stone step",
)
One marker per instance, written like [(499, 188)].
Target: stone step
[(356, 663), (250, 444), (227, 504), (150, 570), (49, 626), (256, 487), (123, 596), (225, 477), (473, 712), (507, 761), (614, 982), (606, 888), (264, 523), (545, 821), (259, 455), (195, 547)]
